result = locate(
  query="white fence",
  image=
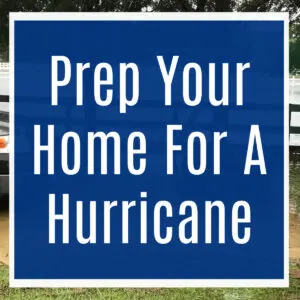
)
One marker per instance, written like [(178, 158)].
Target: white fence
[(4, 67), (294, 102), (4, 79), (295, 111)]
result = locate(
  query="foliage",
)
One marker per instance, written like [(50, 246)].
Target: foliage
[(291, 6), (6, 6), (295, 54)]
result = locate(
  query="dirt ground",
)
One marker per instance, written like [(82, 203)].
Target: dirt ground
[(3, 236), (294, 236)]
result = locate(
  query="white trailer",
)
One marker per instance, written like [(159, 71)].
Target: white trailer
[(4, 129)]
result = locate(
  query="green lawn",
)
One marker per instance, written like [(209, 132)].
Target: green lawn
[(158, 294), (292, 293)]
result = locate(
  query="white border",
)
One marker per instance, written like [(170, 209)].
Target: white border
[(153, 282), (286, 150)]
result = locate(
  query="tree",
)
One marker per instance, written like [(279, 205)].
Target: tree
[(295, 54), (6, 6)]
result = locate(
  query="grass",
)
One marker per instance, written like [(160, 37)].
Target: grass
[(291, 293), (295, 187), (104, 294)]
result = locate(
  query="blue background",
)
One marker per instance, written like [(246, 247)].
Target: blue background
[(257, 42)]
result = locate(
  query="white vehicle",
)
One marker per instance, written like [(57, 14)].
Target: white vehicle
[(4, 129), (295, 114)]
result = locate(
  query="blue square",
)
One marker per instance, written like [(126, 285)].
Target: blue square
[(156, 250)]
